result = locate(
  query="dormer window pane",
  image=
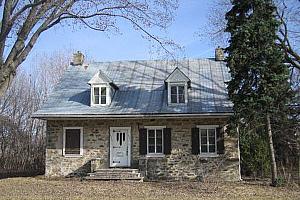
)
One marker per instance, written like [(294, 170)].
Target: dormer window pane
[(177, 94), (96, 95), (181, 94), (173, 94), (103, 95)]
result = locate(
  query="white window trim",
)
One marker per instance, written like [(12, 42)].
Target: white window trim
[(108, 94), (212, 154), (162, 145), (81, 142), (185, 92)]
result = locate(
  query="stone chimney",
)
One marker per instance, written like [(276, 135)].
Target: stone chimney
[(78, 59), (219, 54)]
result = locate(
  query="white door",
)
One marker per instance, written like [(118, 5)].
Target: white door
[(120, 146)]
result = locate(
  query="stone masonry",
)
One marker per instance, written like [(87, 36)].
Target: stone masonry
[(179, 165)]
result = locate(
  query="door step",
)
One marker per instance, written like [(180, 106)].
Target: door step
[(115, 174)]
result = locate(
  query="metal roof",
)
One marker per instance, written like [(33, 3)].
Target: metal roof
[(141, 90)]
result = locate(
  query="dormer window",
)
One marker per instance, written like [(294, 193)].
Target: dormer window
[(102, 89), (177, 85), (177, 94), (100, 95)]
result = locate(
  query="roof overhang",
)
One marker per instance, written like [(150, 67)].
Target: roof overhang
[(132, 116)]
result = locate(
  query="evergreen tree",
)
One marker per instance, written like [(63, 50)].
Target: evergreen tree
[(259, 88)]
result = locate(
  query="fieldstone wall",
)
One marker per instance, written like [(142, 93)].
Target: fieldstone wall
[(180, 165)]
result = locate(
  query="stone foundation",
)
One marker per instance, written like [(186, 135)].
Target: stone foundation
[(179, 165)]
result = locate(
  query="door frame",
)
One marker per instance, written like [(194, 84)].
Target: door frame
[(128, 144)]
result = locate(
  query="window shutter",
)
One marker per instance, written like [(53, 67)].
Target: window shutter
[(220, 141), (143, 141), (195, 141), (167, 141)]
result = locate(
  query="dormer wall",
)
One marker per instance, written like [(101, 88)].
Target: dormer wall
[(177, 87), (102, 90)]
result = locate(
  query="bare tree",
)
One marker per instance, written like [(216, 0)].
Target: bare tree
[(288, 12), (289, 34), (22, 139), (23, 22)]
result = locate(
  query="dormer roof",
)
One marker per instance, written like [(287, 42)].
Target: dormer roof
[(178, 76), (100, 77)]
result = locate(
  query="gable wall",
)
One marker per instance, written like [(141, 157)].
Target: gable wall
[(177, 166)]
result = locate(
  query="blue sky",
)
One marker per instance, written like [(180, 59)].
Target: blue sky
[(191, 16)]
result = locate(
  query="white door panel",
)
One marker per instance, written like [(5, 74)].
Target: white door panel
[(119, 147)]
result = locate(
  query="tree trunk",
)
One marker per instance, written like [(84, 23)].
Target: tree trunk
[(272, 153)]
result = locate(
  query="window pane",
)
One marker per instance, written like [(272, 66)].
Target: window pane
[(203, 136), (212, 148), (159, 133), (151, 133), (158, 141), (72, 143), (203, 132), (173, 90), (211, 140), (173, 98), (103, 91), (151, 141), (151, 149), (211, 132), (203, 148), (103, 99), (203, 140), (96, 99), (180, 89), (181, 99), (96, 91), (158, 149)]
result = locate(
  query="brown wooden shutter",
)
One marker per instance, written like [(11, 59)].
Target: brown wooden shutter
[(143, 141), (167, 141), (195, 141), (220, 141)]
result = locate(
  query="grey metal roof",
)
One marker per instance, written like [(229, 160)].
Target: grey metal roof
[(141, 89)]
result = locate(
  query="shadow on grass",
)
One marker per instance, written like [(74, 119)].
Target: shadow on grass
[(13, 174)]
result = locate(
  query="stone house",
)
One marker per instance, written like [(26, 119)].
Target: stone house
[(133, 119)]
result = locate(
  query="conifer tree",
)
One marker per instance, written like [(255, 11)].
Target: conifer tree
[(259, 88)]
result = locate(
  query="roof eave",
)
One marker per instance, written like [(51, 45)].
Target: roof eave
[(127, 116)]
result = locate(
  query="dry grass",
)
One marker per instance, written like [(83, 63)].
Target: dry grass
[(41, 188)]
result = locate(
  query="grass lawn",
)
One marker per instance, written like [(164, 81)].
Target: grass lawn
[(41, 188)]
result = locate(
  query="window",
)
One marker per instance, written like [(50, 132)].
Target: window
[(208, 144), (155, 140), (73, 141), (99, 95), (178, 94)]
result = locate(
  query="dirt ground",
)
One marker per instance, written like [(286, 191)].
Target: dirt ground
[(42, 188)]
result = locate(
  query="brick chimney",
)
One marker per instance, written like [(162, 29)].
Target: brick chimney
[(219, 54), (78, 59)]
